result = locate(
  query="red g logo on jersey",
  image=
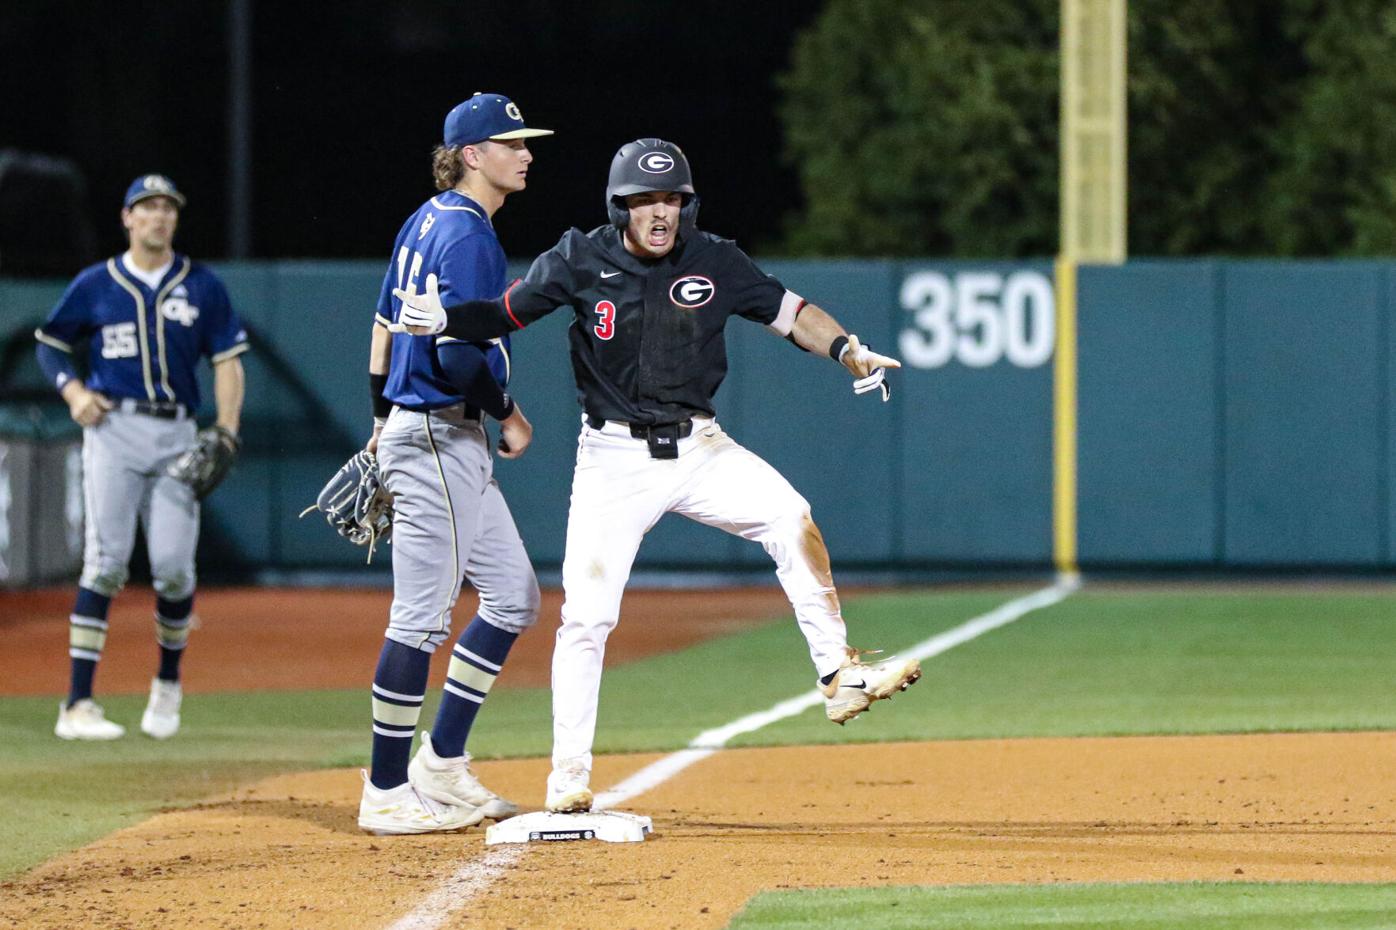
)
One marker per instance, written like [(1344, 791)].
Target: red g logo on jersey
[(692, 292)]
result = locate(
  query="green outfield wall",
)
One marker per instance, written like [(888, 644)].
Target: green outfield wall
[(1233, 414)]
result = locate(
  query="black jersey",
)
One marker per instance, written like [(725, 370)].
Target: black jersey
[(647, 335)]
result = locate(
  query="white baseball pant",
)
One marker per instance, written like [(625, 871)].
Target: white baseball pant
[(618, 493)]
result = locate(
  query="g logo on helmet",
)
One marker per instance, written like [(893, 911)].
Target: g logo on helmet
[(692, 292), (656, 162)]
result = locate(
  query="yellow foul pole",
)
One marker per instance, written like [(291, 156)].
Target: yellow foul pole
[(1092, 216)]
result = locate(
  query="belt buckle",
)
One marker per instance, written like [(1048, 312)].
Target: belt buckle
[(663, 440)]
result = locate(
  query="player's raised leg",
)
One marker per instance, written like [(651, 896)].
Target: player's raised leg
[(736, 490), (500, 570)]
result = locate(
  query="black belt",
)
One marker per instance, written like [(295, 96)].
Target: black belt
[(683, 429), (163, 409), (662, 438), (468, 412)]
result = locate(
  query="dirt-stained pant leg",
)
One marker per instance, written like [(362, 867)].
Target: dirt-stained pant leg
[(436, 468), (731, 488)]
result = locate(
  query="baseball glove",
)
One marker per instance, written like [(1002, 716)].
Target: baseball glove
[(205, 464), (356, 504)]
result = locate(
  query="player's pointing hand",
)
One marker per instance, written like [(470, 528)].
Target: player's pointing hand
[(868, 368), (860, 360), (421, 314)]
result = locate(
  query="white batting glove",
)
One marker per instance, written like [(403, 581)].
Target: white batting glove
[(868, 368), (876, 380), (421, 314)]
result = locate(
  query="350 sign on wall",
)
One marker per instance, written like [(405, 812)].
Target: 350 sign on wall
[(978, 318)]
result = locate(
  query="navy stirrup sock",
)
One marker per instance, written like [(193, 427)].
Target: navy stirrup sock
[(477, 658), (399, 686), (172, 633), (87, 634)]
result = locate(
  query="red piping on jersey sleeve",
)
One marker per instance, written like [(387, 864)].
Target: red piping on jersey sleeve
[(508, 309), (803, 303)]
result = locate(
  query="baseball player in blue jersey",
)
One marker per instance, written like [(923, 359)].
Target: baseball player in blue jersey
[(450, 519), (150, 314)]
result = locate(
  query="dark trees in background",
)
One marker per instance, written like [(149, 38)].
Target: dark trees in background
[(929, 127)]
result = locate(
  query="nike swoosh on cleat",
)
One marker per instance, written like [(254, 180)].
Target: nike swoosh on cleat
[(860, 685)]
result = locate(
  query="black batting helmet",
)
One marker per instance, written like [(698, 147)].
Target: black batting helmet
[(649, 165)]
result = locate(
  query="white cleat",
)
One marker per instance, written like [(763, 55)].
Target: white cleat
[(401, 810), (569, 788), (86, 720), (161, 717), (451, 781), (858, 684)]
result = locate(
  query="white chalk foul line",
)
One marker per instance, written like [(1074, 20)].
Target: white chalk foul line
[(466, 883), (478, 874), (709, 741)]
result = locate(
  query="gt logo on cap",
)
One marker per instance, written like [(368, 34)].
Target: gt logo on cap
[(656, 162), (692, 291), (154, 182)]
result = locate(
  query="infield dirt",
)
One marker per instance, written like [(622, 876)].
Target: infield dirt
[(286, 852)]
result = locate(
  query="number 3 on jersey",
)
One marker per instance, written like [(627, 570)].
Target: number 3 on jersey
[(605, 326)]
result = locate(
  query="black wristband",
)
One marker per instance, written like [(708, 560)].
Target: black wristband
[(836, 347), (509, 407), (376, 385)]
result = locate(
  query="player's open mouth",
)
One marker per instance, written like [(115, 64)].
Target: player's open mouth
[(659, 234)]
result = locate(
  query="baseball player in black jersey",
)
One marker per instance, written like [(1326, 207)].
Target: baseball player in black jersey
[(652, 295)]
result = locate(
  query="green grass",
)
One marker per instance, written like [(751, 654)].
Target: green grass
[(1238, 906), (61, 795), (1114, 664), (1099, 663)]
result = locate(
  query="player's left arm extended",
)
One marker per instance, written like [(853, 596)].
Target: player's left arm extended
[(229, 386), (816, 331), (473, 320), (547, 286)]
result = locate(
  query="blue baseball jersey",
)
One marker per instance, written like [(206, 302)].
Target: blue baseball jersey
[(145, 343), (449, 236)]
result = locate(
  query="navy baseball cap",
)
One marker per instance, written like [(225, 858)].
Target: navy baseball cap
[(486, 116), (152, 185)]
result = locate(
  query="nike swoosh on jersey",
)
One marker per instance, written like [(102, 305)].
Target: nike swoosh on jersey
[(609, 274)]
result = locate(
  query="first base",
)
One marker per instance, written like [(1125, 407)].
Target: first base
[(543, 826)]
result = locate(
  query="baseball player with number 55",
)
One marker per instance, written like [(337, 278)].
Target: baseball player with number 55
[(150, 315), (652, 295)]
